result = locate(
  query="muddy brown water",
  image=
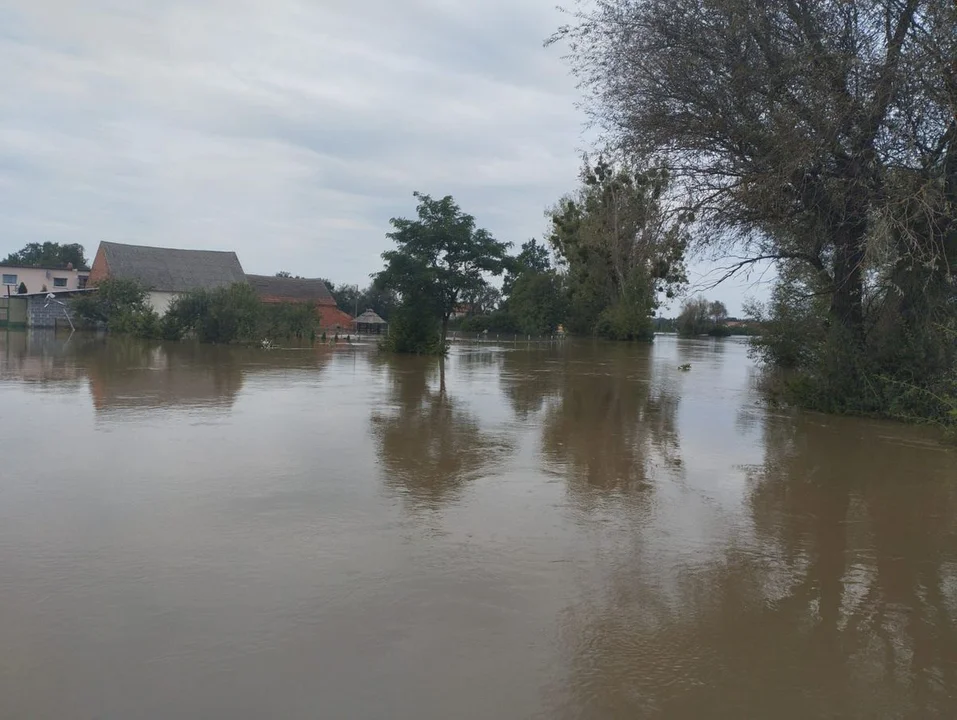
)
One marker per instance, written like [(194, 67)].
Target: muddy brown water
[(575, 531)]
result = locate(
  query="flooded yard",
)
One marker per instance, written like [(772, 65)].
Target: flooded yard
[(576, 530)]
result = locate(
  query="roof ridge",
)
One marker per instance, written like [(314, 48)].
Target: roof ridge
[(167, 249)]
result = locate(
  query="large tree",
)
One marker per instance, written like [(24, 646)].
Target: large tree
[(810, 132), (49, 255), (620, 249), (441, 259), (535, 292)]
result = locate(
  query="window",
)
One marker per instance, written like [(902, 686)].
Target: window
[(82, 280), (9, 279), (59, 282)]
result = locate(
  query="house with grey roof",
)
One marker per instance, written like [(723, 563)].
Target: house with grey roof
[(166, 272), (310, 291), (272, 288)]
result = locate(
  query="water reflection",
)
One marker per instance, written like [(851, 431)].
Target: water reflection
[(613, 420), (529, 376), (863, 518), (429, 445), (127, 374), (536, 532), (41, 359), (836, 596)]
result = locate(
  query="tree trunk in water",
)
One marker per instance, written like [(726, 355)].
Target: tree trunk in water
[(445, 328)]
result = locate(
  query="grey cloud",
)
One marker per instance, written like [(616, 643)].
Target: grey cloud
[(290, 131)]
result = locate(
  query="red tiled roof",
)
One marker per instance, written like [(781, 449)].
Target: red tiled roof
[(330, 317)]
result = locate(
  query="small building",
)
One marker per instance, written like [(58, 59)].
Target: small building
[(40, 279), (166, 272), (272, 289), (42, 310), (370, 322), (52, 310)]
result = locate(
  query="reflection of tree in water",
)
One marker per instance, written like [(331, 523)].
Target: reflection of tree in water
[(126, 373), (840, 604), (865, 526), (429, 446), (528, 376), (611, 421)]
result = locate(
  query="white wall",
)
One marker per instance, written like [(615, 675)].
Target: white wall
[(160, 301), (36, 278)]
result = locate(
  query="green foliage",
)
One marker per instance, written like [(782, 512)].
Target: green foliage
[(113, 296), (853, 198), (537, 302), (693, 319), (533, 258), (48, 254), (904, 371), (351, 299), (122, 306), (499, 321), (665, 325), (144, 323), (441, 259), (624, 321), (793, 323), (619, 249), (701, 317), (22, 289), (223, 315), (287, 320), (416, 330)]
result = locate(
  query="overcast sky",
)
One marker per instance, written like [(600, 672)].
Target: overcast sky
[(289, 131)]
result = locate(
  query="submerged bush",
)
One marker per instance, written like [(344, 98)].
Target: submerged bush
[(900, 368), (222, 315), (414, 329), (287, 320), (122, 306)]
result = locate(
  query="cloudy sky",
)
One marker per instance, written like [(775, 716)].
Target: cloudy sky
[(288, 130)]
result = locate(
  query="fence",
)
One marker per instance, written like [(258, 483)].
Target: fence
[(516, 338)]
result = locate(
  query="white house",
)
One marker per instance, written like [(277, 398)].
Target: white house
[(40, 279)]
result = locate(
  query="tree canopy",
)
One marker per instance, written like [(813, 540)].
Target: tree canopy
[(619, 249), (821, 136), (699, 316), (441, 259), (535, 291), (805, 130), (50, 255)]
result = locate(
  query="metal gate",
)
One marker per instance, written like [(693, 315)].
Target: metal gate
[(13, 312)]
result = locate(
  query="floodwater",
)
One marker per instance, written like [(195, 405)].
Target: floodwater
[(572, 532)]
